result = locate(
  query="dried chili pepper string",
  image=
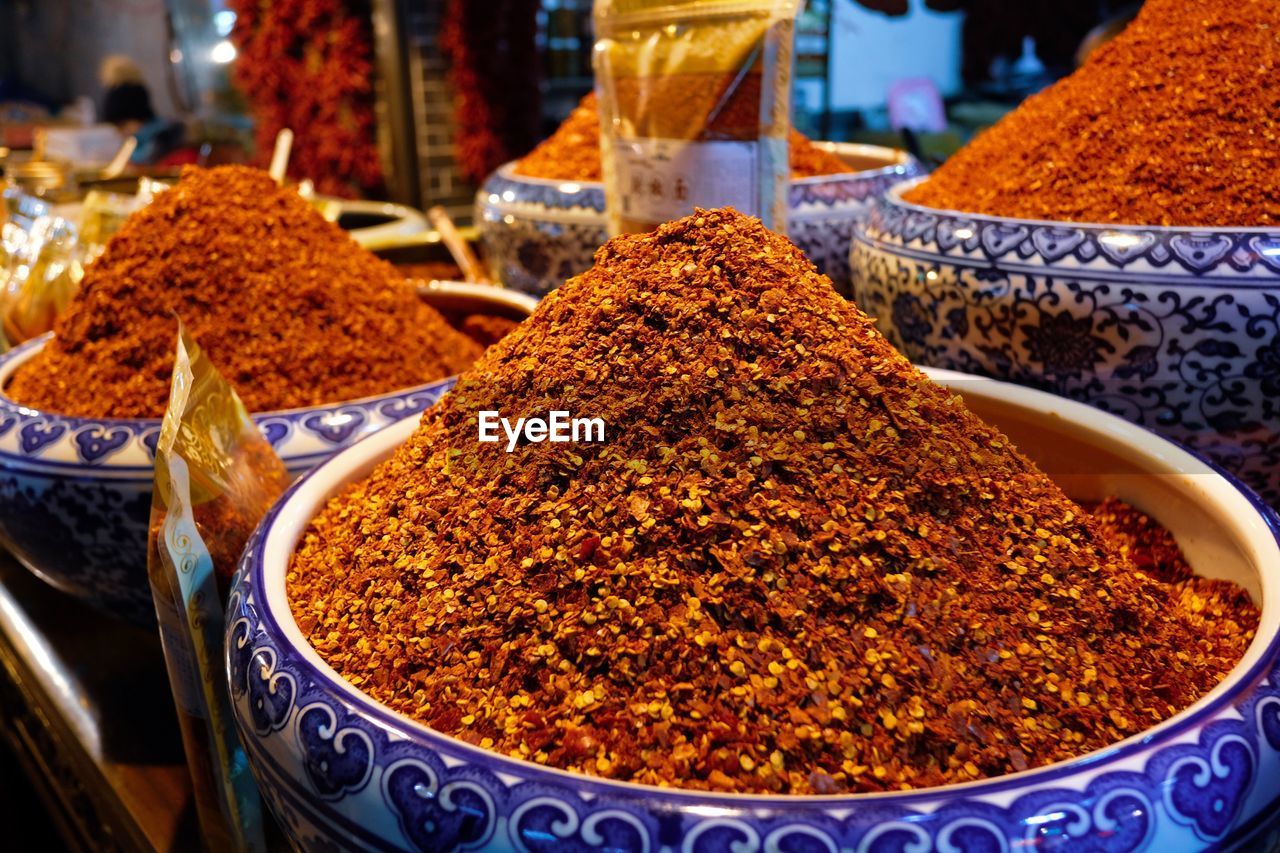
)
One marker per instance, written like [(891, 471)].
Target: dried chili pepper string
[(495, 91), (308, 65), (795, 565)]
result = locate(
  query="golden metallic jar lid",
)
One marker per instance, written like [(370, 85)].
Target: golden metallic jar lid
[(39, 174)]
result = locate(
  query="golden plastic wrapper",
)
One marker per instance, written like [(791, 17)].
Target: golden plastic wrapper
[(695, 100), (215, 477)]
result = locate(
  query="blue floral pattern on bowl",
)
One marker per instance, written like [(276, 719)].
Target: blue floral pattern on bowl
[(341, 771), (75, 493), (538, 232), (1175, 329)]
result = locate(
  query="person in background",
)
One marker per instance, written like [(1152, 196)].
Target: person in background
[(126, 103)]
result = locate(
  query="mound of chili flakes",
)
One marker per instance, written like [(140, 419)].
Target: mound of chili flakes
[(1174, 122), (291, 309), (795, 565), (572, 153)]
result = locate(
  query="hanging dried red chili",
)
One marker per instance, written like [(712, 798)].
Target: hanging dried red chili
[(493, 61), (308, 65)]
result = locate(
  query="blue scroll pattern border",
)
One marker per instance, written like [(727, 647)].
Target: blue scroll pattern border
[(1215, 784)]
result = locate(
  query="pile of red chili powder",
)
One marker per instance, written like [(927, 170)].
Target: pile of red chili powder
[(1174, 122), (794, 565), (291, 310), (572, 153)]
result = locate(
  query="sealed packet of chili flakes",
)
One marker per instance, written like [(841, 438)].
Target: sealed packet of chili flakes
[(695, 99), (215, 477)]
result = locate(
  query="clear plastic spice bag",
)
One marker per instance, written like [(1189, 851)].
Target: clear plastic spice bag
[(42, 271), (18, 214), (43, 256), (695, 100), (102, 214), (215, 477), (20, 207)]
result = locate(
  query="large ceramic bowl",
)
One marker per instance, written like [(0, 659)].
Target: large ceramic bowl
[(343, 772), (537, 233), (1176, 329), (75, 493)]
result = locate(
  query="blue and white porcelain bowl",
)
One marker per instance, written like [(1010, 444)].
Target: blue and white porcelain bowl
[(1176, 329), (341, 771), (75, 493), (537, 233)]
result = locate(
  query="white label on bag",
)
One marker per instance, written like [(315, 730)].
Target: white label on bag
[(664, 179)]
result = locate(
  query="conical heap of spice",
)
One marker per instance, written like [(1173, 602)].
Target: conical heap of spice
[(794, 564), (291, 309), (572, 153), (1174, 122)]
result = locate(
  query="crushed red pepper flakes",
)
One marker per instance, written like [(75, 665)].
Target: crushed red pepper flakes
[(428, 270), (795, 565), (1174, 122), (572, 153), (292, 310), (1219, 610), (810, 161), (487, 329)]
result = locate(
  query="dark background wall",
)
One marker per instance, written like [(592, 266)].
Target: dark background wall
[(55, 46)]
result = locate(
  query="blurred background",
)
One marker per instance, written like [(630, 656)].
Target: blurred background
[(415, 101)]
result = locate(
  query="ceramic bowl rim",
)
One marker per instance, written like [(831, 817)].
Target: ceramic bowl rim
[(507, 171), (894, 198), (497, 294), (13, 359), (1263, 650), (900, 160)]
